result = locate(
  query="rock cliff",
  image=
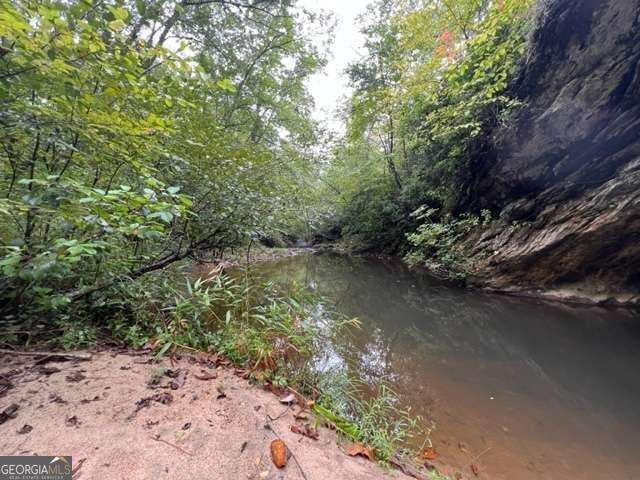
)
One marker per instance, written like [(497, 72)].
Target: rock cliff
[(564, 177)]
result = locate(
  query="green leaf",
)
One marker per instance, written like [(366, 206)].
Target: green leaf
[(226, 85)]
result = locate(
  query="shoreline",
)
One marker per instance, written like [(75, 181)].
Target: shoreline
[(566, 296), (117, 415)]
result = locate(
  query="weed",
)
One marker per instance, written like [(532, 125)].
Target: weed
[(77, 335), (374, 419)]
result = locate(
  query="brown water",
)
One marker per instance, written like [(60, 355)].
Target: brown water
[(525, 389)]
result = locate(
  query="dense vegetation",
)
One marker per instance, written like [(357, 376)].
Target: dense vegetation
[(433, 85), (139, 133)]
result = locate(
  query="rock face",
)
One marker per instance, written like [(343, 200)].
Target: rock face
[(565, 176)]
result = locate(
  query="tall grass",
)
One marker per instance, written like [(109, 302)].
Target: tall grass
[(270, 331)]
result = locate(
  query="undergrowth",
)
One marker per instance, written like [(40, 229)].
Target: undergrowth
[(438, 244)]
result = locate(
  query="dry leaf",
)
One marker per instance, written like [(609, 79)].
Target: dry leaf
[(204, 375), (279, 453), (463, 447), (178, 380), (289, 399), (300, 415), (9, 412), (221, 392), (428, 453), (355, 449), (475, 469), (306, 430)]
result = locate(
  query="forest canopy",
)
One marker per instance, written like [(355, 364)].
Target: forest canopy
[(429, 91)]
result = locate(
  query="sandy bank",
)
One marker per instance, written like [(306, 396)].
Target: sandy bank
[(106, 415)]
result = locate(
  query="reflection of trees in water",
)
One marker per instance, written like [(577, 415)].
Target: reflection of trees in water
[(412, 322)]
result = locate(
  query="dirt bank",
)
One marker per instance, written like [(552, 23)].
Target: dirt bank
[(109, 417)]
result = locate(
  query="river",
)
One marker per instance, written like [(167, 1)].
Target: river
[(525, 389)]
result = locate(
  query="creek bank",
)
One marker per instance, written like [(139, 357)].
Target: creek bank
[(119, 416)]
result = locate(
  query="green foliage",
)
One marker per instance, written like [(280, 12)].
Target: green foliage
[(254, 325), (77, 335), (454, 120), (373, 419), (428, 93), (439, 245), (120, 155)]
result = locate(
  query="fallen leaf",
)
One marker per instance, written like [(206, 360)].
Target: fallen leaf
[(9, 412), (5, 385), (151, 423), (75, 377), (55, 398), (178, 380), (279, 453), (463, 447), (72, 421), (289, 399), (306, 430), (428, 453), (221, 392), (204, 375), (26, 428), (89, 400), (300, 415), (45, 370), (475, 469), (165, 398), (355, 449)]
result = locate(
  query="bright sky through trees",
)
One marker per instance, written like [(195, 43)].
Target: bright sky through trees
[(329, 86)]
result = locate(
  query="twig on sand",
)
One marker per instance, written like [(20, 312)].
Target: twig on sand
[(57, 356), (279, 416), (481, 454), (74, 472), (158, 439), (293, 455)]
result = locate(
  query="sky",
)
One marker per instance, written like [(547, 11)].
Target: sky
[(329, 86)]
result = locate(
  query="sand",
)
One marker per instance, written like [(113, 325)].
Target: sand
[(89, 410)]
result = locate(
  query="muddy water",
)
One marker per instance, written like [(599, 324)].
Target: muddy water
[(524, 389)]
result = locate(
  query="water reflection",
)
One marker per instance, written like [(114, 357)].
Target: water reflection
[(547, 390)]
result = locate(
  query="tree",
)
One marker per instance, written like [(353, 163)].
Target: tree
[(134, 136)]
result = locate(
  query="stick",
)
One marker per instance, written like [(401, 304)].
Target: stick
[(158, 439), (66, 356), (478, 456), (281, 415), (74, 472)]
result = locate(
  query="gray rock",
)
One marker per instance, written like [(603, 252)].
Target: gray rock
[(565, 175)]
